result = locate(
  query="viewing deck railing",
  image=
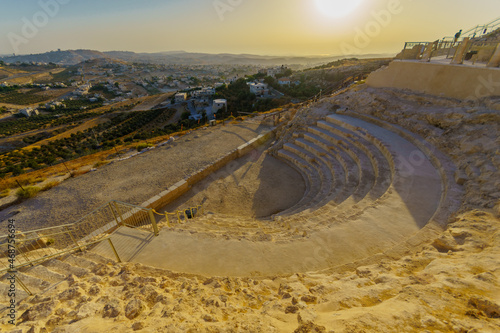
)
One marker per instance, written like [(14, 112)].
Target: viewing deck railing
[(478, 31), (464, 52)]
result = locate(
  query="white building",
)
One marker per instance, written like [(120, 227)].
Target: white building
[(180, 97), (219, 104), (284, 81), (54, 105), (204, 92), (83, 89), (28, 112), (259, 89)]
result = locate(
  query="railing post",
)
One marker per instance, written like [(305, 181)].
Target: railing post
[(495, 59), (119, 214), (458, 59), (21, 283), (114, 250), (73, 239), (22, 254), (168, 220), (153, 222), (428, 52), (113, 211)]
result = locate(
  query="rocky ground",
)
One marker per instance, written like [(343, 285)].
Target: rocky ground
[(452, 285)]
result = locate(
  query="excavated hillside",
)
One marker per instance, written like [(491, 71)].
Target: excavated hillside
[(450, 283)]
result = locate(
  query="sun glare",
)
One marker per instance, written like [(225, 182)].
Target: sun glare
[(337, 8)]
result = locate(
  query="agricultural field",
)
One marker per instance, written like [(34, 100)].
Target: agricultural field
[(73, 112), (119, 127), (29, 96)]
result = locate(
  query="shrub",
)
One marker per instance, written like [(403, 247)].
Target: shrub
[(142, 146), (50, 185), (49, 241), (39, 179), (28, 192), (100, 163)]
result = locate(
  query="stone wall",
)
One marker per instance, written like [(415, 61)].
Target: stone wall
[(456, 81)]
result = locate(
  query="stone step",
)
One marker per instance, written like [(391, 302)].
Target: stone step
[(325, 173), (4, 293), (381, 166), (370, 155), (354, 139), (350, 166), (35, 284), (366, 172), (383, 147), (336, 168), (80, 261), (452, 192), (44, 273), (64, 268), (96, 258)]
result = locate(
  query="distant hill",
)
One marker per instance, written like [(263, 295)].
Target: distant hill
[(73, 57), (188, 58), (65, 58)]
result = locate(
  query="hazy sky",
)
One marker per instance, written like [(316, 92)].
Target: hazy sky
[(273, 27)]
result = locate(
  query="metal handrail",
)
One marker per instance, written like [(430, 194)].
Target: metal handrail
[(448, 49), (193, 211), (490, 25), (35, 246)]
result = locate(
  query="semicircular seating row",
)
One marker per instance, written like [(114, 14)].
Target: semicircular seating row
[(348, 165)]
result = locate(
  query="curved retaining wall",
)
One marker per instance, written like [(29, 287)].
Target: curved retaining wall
[(181, 187)]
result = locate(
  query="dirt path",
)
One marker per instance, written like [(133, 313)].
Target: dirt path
[(134, 180)]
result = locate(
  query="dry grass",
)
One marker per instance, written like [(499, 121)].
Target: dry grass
[(142, 146), (28, 192), (100, 163), (50, 185), (5, 193)]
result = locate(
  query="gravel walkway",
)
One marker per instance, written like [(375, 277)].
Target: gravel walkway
[(133, 181)]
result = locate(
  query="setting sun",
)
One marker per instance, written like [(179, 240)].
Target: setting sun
[(337, 8)]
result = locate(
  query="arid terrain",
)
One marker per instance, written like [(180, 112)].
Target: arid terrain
[(450, 284)]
